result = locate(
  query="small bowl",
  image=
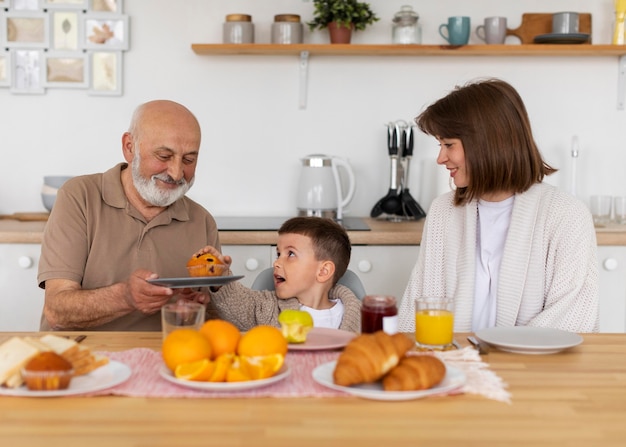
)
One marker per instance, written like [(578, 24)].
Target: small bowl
[(48, 200), (55, 181), (207, 270), (47, 380)]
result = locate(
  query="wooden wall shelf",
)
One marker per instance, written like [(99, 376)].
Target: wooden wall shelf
[(411, 50), (304, 51)]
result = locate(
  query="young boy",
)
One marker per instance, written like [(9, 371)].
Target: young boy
[(312, 255)]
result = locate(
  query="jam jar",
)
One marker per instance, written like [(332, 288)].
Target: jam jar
[(405, 29), (379, 312), (286, 29), (238, 28)]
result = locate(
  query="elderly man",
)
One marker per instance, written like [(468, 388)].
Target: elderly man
[(109, 233)]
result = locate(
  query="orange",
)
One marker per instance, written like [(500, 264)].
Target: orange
[(237, 373), (262, 340), (222, 335), (185, 346), (262, 367), (199, 371), (222, 365)]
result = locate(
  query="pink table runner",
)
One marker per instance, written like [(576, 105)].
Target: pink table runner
[(146, 381)]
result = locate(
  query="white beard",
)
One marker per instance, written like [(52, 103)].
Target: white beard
[(150, 191)]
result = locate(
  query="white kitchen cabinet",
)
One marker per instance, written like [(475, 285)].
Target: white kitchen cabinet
[(249, 260), (384, 269), (21, 300), (612, 280)]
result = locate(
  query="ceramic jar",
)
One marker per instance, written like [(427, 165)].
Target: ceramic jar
[(238, 28), (286, 29)]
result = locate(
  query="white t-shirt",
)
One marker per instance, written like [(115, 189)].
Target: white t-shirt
[(330, 318), (493, 225)]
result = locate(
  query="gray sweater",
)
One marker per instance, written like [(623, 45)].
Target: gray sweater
[(246, 308)]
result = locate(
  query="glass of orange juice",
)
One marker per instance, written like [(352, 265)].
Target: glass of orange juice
[(434, 322)]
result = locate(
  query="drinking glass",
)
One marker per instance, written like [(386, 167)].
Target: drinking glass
[(434, 322), (182, 314), (600, 207)]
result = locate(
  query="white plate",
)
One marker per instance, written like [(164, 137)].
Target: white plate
[(199, 281), (321, 338), (225, 386), (107, 376), (453, 379), (529, 340)]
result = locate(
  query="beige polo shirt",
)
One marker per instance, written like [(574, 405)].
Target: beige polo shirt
[(96, 238)]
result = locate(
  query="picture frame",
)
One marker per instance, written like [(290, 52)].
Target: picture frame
[(5, 68), (25, 30), (27, 71), (110, 6), (105, 72), (106, 32), (64, 4), (24, 5), (66, 30), (66, 69)]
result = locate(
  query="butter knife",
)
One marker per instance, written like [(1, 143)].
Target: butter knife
[(481, 347)]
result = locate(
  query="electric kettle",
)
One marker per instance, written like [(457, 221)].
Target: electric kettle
[(319, 191)]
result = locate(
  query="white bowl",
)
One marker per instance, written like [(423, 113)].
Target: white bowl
[(55, 181), (48, 200)]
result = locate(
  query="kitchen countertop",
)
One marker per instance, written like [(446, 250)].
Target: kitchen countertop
[(14, 231)]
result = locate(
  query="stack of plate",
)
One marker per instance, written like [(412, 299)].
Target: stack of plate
[(51, 184)]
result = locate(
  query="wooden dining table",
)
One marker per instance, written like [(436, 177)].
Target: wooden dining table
[(576, 397)]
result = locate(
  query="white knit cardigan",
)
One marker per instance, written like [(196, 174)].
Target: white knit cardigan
[(549, 270)]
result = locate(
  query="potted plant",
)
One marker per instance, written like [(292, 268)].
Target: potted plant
[(341, 17)]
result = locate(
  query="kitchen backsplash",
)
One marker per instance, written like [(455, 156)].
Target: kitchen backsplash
[(254, 133)]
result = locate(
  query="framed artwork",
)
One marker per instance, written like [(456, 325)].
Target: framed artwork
[(64, 4), (114, 6), (66, 31), (25, 5), (66, 69), (106, 32), (27, 72), (5, 68), (25, 30), (105, 68)]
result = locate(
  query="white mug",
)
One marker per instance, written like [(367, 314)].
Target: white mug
[(493, 31)]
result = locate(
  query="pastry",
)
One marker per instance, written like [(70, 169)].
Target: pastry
[(368, 357), (205, 265), (47, 371), (415, 372)]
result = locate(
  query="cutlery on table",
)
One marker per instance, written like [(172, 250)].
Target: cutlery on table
[(481, 347)]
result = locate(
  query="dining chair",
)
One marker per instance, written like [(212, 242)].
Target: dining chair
[(265, 281)]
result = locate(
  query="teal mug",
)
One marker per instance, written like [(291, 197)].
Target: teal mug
[(458, 30)]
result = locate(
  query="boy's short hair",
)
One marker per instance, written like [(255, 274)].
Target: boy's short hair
[(330, 240)]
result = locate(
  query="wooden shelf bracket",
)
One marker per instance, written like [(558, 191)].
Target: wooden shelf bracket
[(621, 83), (304, 78)]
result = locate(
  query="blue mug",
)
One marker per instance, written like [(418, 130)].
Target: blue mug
[(458, 30)]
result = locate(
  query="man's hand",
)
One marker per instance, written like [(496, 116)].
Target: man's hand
[(143, 296)]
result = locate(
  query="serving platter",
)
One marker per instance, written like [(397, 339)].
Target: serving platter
[(454, 379), (322, 339), (199, 281), (529, 340), (282, 373), (107, 376)]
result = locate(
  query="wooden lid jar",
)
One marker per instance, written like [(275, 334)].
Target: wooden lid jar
[(287, 29), (238, 28)]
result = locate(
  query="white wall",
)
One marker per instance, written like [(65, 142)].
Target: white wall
[(254, 133)]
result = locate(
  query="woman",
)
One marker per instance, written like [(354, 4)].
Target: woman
[(510, 250)]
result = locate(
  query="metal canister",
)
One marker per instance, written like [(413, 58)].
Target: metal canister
[(287, 29), (238, 28)]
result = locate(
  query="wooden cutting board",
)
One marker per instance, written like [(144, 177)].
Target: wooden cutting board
[(27, 217), (534, 24)]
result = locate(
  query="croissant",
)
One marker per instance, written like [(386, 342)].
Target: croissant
[(415, 372), (368, 357)]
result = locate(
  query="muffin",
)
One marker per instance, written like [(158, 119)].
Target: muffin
[(47, 371), (205, 265)]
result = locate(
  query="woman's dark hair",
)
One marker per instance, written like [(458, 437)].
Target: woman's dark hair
[(490, 119), (330, 240)]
